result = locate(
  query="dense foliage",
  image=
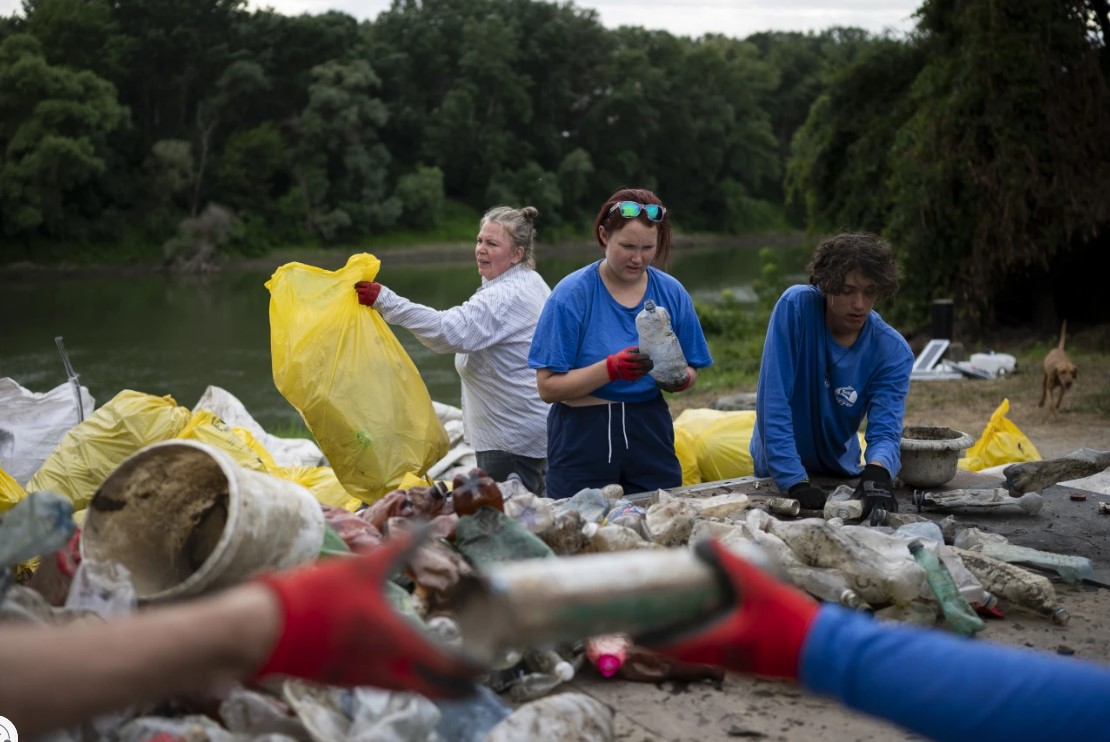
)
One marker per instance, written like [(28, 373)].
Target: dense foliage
[(978, 144)]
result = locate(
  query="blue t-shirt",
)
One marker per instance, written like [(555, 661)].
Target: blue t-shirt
[(951, 688), (582, 323), (813, 393)]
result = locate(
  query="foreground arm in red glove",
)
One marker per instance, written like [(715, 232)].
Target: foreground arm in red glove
[(761, 633), (330, 623)]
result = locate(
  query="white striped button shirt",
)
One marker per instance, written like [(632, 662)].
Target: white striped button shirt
[(490, 333)]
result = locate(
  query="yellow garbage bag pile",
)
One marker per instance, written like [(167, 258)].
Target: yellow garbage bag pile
[(716, 441), (92, 449), (1002, 442), (338, 363), (10, 491)]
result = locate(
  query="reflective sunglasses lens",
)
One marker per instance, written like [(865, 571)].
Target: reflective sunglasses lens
[(654, 212), (629, 209)]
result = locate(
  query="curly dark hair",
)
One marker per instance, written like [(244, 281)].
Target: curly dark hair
[(836, 257), (613, 221)]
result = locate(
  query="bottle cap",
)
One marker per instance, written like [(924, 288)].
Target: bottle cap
[(608, 664)]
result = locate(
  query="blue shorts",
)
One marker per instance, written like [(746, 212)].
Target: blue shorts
[(625, 443)]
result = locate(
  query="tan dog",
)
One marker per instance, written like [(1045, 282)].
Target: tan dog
[(1059, 373)]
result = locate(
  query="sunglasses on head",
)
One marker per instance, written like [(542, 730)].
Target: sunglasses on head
[(632, 209)]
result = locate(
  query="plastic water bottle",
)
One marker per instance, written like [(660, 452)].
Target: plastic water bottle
[(551, 662), (960, 616), (1072, 569), (657, 339), (590, 503)]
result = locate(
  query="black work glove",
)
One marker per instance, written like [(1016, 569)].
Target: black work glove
[(808, 496), (875, 490)]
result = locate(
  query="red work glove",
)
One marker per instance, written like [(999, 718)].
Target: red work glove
[(629, 364), (338, 628), (680, 386), (368, 292), (761, 634)]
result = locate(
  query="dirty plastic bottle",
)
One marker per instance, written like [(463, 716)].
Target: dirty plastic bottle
[(590, 503), (624, 513), (537, 514), (608, 652), (1072, 569), (446, 630), (613, 538), (513, 486), (565, 535), (960, 616), (657, 339), (1015, 584), (840, 504), (990, 500), (475, 490), (927, 530), (551, 662)]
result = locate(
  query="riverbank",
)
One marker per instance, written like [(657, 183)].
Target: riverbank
[(438, 252)]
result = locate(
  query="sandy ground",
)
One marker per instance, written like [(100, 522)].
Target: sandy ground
[(744, 708)]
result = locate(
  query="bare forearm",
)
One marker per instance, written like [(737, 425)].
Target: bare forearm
[(155, 655), (574, 384)]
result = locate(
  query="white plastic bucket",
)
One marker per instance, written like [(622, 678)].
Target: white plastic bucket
[(185, 519)]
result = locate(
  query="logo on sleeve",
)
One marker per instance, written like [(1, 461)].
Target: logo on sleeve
[(8, 732), (846, 396)]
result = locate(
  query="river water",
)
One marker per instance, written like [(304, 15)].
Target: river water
[(175, 335)]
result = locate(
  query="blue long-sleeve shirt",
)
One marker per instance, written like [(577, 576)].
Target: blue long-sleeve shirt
[(950, 688), (813, 393)]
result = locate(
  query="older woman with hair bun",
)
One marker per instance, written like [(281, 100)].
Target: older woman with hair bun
[(504, 419)]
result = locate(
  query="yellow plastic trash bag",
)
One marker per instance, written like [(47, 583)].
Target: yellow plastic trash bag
[(207, 427), (1002, 442), (92, 449), (10, 491), (322, 483), (340, 365), (722, 447), (684, 443)]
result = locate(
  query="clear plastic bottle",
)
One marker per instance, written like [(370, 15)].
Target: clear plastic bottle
[(533, 685), (960, 616), (551, 662), (657, 339)]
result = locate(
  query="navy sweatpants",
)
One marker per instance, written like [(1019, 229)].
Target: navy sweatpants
[(627, 443)]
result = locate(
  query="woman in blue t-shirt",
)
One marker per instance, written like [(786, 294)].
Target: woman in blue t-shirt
[(608, 421)]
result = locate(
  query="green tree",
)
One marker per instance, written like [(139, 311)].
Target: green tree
[(77, 33), (54, 124), (340, 165), (421, 196)]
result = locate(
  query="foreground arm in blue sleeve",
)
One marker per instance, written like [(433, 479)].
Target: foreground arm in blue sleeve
[(949, 688)]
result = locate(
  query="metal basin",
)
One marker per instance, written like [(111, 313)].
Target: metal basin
[(929, 454)]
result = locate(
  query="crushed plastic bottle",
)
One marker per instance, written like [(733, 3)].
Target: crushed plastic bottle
[(927, 530), (613, 538), (590, 503), (608, 652), (657, 339), (513, 486), (613, 492), (670, 521), (41, 523), (563, 716), (537, 514), (960, 616), (841, 504), (551, 662), (624, 513)]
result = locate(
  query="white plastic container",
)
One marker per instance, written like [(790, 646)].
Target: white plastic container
[(184, 519), (996, 363)]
